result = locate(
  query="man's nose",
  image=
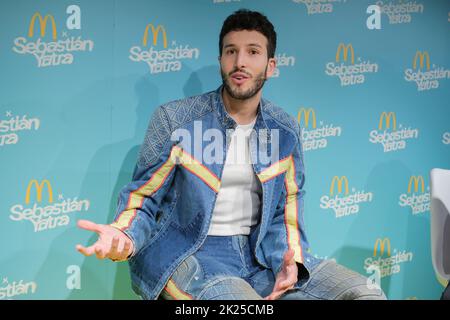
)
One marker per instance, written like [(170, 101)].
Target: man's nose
[(241, 60)]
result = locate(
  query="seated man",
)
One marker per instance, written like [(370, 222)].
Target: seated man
[(225, 220)]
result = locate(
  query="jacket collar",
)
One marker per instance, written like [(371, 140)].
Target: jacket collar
[(227, 121)]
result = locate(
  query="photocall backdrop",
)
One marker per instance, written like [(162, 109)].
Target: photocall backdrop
[(79, 81)]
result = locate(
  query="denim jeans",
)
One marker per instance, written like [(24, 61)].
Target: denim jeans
[(224, 268)]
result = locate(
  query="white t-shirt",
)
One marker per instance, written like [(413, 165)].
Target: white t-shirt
[(237, 205)]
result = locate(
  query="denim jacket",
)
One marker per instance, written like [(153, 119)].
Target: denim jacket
[(166, 209)]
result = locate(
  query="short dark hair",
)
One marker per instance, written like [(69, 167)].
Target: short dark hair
[(244, 19)]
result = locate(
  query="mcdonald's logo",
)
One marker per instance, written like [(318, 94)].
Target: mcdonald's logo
[(388, 117), (416, 181), (345, 49), (39, 188), (421, 56), (382, 244), (42, 25), (155, 34), (339, 184), (306, 114)]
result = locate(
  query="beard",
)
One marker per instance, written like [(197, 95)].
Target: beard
[(241, 94)]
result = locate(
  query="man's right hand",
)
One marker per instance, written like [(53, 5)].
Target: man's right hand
[(112, 243)]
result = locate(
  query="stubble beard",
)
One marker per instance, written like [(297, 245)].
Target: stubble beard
[(238, 93)]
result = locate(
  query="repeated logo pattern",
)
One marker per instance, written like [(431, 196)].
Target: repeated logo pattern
[(368, 107)]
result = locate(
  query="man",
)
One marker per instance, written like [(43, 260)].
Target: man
[(192, 228)]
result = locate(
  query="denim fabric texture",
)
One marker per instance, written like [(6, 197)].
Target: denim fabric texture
[(224, 269), (166, 209)]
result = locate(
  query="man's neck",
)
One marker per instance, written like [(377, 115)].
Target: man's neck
[(242, 111)]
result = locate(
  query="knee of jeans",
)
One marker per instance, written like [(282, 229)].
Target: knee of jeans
[(372, 294), (186, 272), (363, 292), (228, 288)]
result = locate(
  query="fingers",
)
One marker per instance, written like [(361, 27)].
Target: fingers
[(274, 295), (286, 281), (284, 285), (287, 284), (89, 225), (85, 251), (114, 246), (101, 254), (109, 245), (100, 251), (118, 251), (279, 289), (125, 250), (89, 251), (286, 278)]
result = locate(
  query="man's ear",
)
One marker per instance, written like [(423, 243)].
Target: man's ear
[(271, 66)]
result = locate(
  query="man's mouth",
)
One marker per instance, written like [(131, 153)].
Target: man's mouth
[(239, 77)]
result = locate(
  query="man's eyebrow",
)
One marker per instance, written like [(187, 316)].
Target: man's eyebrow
[(248, 45), (254, 45)]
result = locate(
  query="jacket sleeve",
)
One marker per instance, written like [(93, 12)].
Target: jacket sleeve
[(286, 230), (138, 201)]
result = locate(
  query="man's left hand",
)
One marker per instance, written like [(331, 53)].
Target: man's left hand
[(286, 278)]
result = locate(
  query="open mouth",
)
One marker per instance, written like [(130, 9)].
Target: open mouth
[(239, 77)]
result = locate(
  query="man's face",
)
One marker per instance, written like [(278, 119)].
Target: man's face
[(244, 63)]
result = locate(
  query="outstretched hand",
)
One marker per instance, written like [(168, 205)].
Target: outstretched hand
[(112, 243), (286, 278)]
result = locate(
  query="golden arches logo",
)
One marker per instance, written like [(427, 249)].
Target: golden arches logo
[(306, 114), (388, 116), (345, 49), (421, 56), (339, 184), (416, 180), (39, 187), (382, 244), (42, 24), (155, 34)]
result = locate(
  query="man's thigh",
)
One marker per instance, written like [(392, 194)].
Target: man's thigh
[(332, 281), (206, 280)]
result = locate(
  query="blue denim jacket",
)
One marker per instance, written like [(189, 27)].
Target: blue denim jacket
[(166, 209)]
